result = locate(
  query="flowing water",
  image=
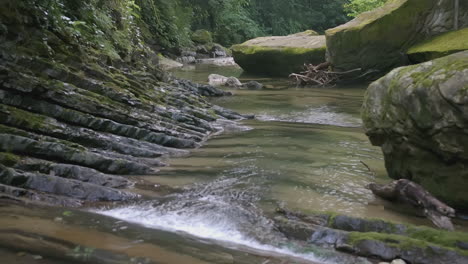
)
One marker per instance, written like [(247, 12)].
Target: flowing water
[(306, 151)]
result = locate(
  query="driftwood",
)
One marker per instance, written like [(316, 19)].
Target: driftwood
[(319, 75), (414, 194)]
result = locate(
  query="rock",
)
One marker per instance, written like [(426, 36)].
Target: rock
[(374, 238), (168, 64), (279, 56), (219, 80), (378, 40), (187, 59), (233, 82), (439, 46), (252, 85), (398, 261), (216, 80), (202, 36), (221, 61), (418, 115)]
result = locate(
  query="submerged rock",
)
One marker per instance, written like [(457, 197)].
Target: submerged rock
[(419, 115), (439, 46), (280, 55), (378, 40)]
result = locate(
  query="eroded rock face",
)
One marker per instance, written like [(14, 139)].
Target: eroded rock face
[(76, 120), (280, 55), (378, 40), (419, 115), (439, 46)]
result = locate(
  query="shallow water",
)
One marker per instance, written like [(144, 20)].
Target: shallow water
[(305, 150)]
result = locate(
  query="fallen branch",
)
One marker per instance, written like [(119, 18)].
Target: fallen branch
[(319, 75), (414, 194)]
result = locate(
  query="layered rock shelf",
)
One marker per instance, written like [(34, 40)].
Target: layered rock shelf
[(77, 119)]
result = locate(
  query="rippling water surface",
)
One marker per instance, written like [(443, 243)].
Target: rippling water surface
[(305, 150)]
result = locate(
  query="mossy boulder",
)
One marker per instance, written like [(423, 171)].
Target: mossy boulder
[(378, 40), (439, 46), (419, 116), (202, 36), (280, 56)]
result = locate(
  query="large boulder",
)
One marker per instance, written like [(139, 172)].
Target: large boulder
[(419, 116), (378, 40), (439, 46), (280, 56)]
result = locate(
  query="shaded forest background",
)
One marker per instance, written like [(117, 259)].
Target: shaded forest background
[(118, 28), (234, 21)]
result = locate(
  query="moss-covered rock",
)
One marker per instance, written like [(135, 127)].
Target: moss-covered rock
[(419, 115), (280, 56), (378, 40), (439, 46), (202, 36), (375, 238)]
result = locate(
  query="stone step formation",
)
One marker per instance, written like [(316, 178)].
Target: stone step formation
[(70, 133)]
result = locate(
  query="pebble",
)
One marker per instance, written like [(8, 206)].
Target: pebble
[(398, 261), (37, 257)]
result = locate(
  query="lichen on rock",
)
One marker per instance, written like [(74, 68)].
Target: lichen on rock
[(418, 115), (378, 40)]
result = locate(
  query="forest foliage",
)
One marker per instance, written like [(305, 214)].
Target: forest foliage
[(169, 25)]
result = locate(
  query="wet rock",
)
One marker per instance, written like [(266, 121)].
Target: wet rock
[(75, 172), (233, 82), (216, 79), (252, 85), (61, 186), (373, 238), (13, 193), (418, 115)]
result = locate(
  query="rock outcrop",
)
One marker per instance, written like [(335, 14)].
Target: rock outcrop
[(419, 115), (439, 46), (80, 110), (280, 55), (374, 238), (378, 40)]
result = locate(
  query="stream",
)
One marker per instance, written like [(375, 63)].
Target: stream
[(306, 151)]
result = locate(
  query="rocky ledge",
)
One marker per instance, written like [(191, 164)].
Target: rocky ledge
[(377, 40), (80, 110), (439, 46), (280, 55), (375, 238), (419, 115)]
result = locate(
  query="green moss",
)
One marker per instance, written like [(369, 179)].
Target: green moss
[(276, 61), (24, 119), (202, 36), (8, 159), (402, 242), (439, 46)]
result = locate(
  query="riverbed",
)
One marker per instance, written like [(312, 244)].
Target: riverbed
[(305, 150)]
